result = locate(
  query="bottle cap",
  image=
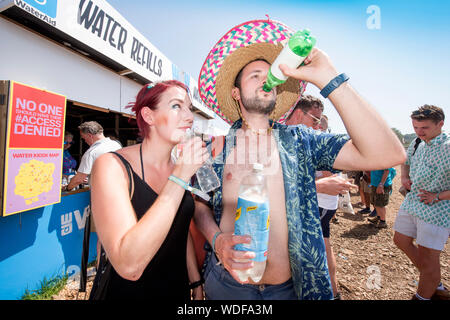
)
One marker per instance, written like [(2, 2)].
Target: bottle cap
[(258, 166)]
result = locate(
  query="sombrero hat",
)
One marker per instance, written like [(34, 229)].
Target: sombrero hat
[(249, 41)]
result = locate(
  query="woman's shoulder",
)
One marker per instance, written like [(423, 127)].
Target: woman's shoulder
[(111, 161)]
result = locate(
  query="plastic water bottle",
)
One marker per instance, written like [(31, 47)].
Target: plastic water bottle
[(297, 49), (252, 218), (206, 176)]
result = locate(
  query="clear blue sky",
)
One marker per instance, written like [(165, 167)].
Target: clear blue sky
[(397, 68)]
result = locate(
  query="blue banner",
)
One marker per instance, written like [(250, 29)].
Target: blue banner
[(43, 243)]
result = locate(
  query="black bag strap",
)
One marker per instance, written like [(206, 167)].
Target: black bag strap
[(418, 141), (87, 230)]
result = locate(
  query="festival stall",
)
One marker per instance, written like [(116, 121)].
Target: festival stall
[(63, 63)]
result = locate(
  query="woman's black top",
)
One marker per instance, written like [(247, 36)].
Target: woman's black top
[(165, 277)]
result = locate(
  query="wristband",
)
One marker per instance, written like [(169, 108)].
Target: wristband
[(195, 284), (187, 187), (213, 243), (333, 84)]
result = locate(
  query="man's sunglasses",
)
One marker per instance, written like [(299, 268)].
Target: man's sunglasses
[(316, 120), (66, 142)]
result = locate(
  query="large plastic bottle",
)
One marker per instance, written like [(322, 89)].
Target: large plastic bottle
[(252, 218), (297, 49)]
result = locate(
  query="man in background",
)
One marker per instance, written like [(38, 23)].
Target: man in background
[(424, 214), (92, 133)]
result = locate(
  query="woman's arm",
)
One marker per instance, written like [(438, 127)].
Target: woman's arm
[(130, 245)]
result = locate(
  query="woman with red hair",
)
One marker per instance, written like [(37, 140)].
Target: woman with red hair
[(141, 205)]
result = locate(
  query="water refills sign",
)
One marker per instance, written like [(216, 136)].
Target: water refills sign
[(252, 218), (99, 26)]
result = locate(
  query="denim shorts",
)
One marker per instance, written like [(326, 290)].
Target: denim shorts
[(220, 285)]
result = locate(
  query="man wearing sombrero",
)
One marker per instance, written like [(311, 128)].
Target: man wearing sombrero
[(230, 83)]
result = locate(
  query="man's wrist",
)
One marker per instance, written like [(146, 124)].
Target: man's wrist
[(436, 199), (326, 78), (333, 85)]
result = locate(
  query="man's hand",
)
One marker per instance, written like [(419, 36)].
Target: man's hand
[(406, 182), (380, 189), (427, 197), (334, 185), (233, 259), (317, 69)]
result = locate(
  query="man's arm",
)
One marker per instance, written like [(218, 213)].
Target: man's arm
[(433, 197), (193, 273), (79, 178), (406, 180), (380, 187), (373, 145), (333, 185), (225, 242)]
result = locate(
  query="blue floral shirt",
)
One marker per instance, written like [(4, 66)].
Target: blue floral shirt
[(303, 151)]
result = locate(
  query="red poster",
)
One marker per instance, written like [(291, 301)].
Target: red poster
[(33, 159), (37, 118)]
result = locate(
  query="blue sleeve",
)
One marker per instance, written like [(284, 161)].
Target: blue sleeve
[(324, 149)]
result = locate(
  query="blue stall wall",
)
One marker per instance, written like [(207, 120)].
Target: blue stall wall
[(44, 242)]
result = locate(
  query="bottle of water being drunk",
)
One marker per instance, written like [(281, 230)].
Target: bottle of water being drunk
[(252, 218), (206, 176), (296, 50)]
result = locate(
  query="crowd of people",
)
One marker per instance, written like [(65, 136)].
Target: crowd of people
[(142, 201)]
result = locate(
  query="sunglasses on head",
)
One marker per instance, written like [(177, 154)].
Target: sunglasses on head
[(424, 112)]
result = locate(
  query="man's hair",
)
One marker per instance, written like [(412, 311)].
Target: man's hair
[(91, 127), (306, 103), (428, 112), (237, 81)]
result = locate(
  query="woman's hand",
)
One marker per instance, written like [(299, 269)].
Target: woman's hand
[(192, 157)]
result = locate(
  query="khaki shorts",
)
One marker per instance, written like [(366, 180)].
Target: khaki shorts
[(380, 200)]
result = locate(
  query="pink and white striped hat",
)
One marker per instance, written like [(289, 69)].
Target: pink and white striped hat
[(249, 41)]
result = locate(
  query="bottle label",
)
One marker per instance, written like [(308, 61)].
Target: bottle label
[(287, 57), (252, 218)]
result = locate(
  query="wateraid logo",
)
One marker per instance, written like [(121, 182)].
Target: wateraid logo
[(47, 7)]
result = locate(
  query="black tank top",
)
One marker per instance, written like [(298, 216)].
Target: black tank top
[(165, 277)]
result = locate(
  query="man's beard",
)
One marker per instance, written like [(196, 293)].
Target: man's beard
[(256, 105)]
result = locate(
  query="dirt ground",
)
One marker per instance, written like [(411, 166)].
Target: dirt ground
[(369, 265)]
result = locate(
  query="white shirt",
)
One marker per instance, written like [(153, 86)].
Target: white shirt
[(326, 201), (96, 150)]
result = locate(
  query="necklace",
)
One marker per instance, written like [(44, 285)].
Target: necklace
[(257, 132)]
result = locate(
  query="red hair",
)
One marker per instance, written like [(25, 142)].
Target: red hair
[(149, 96)]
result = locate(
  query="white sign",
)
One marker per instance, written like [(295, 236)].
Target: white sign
[(98, 25)]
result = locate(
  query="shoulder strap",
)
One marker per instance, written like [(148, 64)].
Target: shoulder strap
[(87, 230), (129, 171), (418, 141)]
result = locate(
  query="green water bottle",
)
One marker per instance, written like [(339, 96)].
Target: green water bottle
[(298, 48)]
